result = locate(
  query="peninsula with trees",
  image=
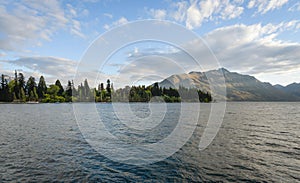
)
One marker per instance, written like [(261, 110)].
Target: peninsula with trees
[(17, 90)]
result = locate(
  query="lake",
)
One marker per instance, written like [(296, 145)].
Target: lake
[(257, 141)]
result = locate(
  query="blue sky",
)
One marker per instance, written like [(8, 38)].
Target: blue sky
[(257, 37)]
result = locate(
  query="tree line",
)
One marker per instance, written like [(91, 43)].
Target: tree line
[(19, 90)]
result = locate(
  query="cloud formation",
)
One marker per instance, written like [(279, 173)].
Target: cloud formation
[(254, 49), (295, 7), (263, 6), (30, 22), (51, 67), (159, 14), (194, 13), (202, 11), (120, 21), (250, 49)]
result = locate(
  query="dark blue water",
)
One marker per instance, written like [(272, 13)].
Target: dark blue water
[(257, 142)]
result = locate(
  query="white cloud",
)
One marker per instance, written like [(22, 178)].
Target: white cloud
[(251, 4), (231, 11), (159, 14), (51, 67), (76, 28), (250, 49), (295, 7), (263, 6), (254, 49), (196, 12), (121, 21), (30, 22), (206, 10), (2, 54), (106, 26), (85, 13), (72, 10), (194, 16), (179, 14), (108, 15), (90, 1)]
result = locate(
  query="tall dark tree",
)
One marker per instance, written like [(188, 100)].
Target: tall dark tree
[(155, 90), (41, 88), (5, 95), (81, 94), (16, 86), (69, 89), (2, 82), (101, 86), (31, 88), (108, 89), (87, 91), (21, 80), (30, 85), (74, 91), (61, 89)]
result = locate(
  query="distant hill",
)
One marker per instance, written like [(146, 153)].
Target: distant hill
[(238, 87), (292, 89)]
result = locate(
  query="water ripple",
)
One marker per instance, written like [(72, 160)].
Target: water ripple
[(258, 142)]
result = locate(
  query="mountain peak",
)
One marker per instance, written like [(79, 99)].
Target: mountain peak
[(195, 72), (293, 84), (239, 87), (223, 69)]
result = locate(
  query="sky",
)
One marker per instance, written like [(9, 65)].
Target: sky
[(51, 37)]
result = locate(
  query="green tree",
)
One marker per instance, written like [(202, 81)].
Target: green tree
[(69, 91), (53, 90), (21, 82), (33, 96), (16, 89), (5, 94), (61, 89), (155, 90), (52, 95), (41, 88), (81, 93), (87, 91), (22, 95), (31, 89), (108, 90)]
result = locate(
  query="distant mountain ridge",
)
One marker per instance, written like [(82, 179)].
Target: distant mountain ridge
[(239, 87), (292, 89)]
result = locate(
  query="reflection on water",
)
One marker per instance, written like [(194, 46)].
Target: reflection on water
[(257, 142)]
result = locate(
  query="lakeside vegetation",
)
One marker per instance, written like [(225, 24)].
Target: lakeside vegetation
[(18, 90)]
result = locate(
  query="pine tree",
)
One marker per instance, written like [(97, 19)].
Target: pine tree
[(5, 95), (21, 80), (61, 89), (16, 87), (87, 91), (41, 88), (31, 89), (108, 89)]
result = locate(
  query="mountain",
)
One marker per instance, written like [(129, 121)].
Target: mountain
[(239, 87), (279, 87), (292, 89)]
